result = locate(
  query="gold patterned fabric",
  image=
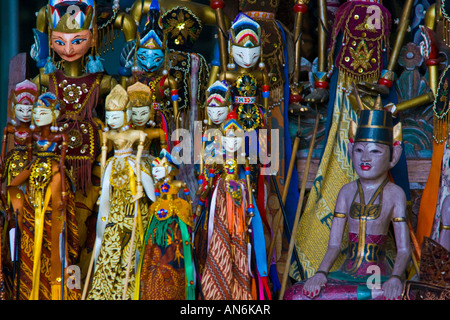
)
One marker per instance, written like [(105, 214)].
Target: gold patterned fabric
[(226, 273), (334, 171), (48, 270), (110, 269)]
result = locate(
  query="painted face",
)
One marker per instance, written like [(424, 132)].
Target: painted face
[(23, 112), (43, 116), (114, 119), (217, 114), (232, 144), (71, 46), (158, 173), (140, 115), (246, 57), (149, 60), (371, 160)]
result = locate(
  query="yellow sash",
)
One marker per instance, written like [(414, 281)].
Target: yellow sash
[(38, 235)]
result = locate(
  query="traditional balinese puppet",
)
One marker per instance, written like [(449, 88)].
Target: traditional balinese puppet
[(150, 67), (368, 206), (15, 158), (218, 105), (245, 54), (46, 210), (183, 21), (21, 104), (72, 30), (358, 55), (166, 269), (123, 209), (278, 60), (143, 116), (235, 233)]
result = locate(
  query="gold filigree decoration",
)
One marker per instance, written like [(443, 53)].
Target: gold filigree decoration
[(361, 56)]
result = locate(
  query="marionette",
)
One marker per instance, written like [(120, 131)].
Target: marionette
[(46, 211), (360, 55), (166, 270), (183, 21), (15, 158), (245, 54), (69, 34), (218, 105), (235, 235), (123, 208), (143, 118), (367, 206), (150, 66), (283, 68), (21, 101)]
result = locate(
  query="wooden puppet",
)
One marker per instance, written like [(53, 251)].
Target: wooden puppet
[(123, 209), (46, 210)]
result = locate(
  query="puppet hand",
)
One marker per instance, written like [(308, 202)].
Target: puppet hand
[(318, 96), (314, 284), (373, 89), (393, 289)]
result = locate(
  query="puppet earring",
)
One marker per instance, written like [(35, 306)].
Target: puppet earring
[(94, 65), (231, 65)]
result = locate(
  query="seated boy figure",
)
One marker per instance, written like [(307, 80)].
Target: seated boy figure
[(373, 153)]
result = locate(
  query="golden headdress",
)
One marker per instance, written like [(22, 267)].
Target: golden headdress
[(117, 99), (139, 95)]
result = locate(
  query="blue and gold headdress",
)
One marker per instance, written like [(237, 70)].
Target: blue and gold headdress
[(47, 100), (245, 32), (218, 95)]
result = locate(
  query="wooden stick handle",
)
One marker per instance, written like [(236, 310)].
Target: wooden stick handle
[(277, 218), (88, 275), (299, 207)]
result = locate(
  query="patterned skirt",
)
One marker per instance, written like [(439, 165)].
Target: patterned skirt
[(110, 269), (226, 273)]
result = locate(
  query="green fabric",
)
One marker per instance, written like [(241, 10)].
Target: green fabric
[(162, 228), (188, 262)]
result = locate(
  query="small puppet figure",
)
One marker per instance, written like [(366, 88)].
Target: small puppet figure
[(143, 118), (368, 206), (148, 57), (234, 226), (46, 210), (21, 103), (167, 267)]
